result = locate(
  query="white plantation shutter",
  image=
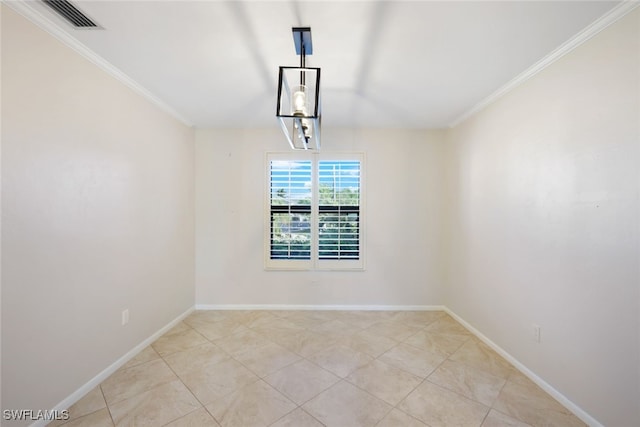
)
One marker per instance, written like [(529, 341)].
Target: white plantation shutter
[(290, 196), (314, 211), (339, 209)]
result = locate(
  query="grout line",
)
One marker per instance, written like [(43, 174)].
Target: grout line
[(106, 404), (185, 386), (300, 357), (547, 388), (285, 415)]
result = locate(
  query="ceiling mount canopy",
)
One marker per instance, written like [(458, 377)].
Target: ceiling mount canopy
[(298, 107)]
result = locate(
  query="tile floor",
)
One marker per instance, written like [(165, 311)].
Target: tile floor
[(318, 368)]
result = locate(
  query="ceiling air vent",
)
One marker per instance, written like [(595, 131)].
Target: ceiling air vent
[(71, 13)]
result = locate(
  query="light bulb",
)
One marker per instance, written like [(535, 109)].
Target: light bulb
[(306, 128), (299, 101), (302, 128)]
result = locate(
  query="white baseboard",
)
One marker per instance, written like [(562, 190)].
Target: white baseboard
[(320, 307), (95, 381), (577, 411)]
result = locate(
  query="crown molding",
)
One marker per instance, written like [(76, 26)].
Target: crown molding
[(594, 28), (28, 11)]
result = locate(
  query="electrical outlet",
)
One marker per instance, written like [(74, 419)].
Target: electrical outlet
[(536, 332), (125, 316)]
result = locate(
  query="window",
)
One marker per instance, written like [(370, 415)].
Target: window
[(314, 211)]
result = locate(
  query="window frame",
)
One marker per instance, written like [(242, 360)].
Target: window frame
[(314, 263)]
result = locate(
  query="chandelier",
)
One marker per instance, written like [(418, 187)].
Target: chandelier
[(298, 107)]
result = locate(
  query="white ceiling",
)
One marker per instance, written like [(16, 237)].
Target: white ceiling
[(413, 64)]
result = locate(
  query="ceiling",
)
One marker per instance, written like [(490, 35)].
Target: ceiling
[(410, 64)]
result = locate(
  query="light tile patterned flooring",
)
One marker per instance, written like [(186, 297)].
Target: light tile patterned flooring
[(318, 368)]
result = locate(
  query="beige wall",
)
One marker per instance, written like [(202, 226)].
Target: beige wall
[(544, 223), (403, 221), (98, 216)]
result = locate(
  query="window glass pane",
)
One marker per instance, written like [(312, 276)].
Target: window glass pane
[(290, 182), (339, 236), (339, 182), (290, 236)]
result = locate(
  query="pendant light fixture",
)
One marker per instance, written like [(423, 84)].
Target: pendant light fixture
[(298, 107)]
